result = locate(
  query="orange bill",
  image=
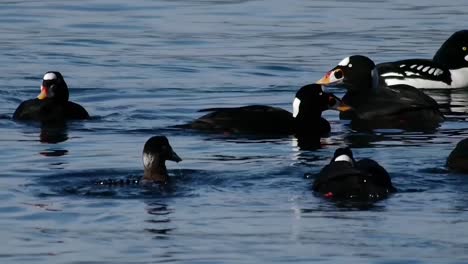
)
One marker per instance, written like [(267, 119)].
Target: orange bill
[(43, 93)]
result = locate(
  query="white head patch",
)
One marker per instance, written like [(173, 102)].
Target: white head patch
[(344, 62), (466, 57), (147, 160), (344, 157), (49, 76), (296, 105)]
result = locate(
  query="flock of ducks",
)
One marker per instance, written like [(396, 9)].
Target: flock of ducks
[(386, 95)]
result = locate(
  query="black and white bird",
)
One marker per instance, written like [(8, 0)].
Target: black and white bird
[(52, 104), (377, 105), (155, 153), (346, 178), (306, 120), (447, 70)]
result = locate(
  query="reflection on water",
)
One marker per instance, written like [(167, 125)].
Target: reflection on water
[(53, 133), (452, 102), (388, 138), (159, 219), (54, 152)]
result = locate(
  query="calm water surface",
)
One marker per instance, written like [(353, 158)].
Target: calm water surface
[(140, 67)]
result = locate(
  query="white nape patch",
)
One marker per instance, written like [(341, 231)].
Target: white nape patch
[(420, 67), (344, 62), (296, 105), (403, 65), (425, 69), (147, 160), (49, 76), (392, 74), (431, 70), (466, 57), (344, 157)]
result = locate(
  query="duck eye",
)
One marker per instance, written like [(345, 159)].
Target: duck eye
[(464, 48), (338, 74)]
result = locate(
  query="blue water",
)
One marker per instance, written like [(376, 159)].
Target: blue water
[(141, 66)]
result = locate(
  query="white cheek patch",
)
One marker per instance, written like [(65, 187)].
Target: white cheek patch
[(344, 62), (466, 57), (296, 105), (49, 76), (344, 158), (147, 160)]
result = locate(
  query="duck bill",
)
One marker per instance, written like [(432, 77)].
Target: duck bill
[(337, 104), (330, 78), (175, 157), (43, 94)]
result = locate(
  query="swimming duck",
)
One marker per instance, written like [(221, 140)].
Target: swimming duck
[(458, 158), (305, 120), (447, 70), (377, 105), (155, 153), (344, 178), (52, 104)]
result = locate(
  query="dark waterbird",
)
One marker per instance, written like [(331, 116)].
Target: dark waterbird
[(346, 178), (305, 121), (52, 104), (155, 153), (376, 105)]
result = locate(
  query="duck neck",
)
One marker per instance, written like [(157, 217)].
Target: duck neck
[(307, 122), (157, 172), (367, 83)]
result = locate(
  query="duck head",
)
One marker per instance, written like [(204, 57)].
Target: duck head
[(453, 54), (155, 153), (343, 154), (311, 100), (355, 73), (53, 87)]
